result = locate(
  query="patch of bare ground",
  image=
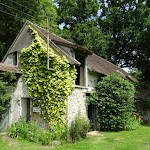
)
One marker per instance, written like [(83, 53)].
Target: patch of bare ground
[(118, 139), (10, 140), (94, 133)]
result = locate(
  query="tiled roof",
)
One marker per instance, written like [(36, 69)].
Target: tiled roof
[(100, 65), (11, 68)]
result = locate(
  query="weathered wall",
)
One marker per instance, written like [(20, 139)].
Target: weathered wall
[(76, 103), (142, 94), (17, 102), (23, 41), (9, 59), (18, 107), (92, 78), (36, 117), (66, 49), (4, 122)]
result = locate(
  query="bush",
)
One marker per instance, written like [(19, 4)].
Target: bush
[(33, 133), (7, 83), (134, 121), (79, 128), (114, 98)]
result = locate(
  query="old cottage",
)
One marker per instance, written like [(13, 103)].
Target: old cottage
[(88, 65)]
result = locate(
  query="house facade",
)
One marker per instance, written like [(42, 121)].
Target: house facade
[(88, 65)]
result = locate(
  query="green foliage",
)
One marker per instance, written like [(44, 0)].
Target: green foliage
[(7, 83), (79, 128), (73, 11), (88, 35), (116, 30), (80, 25), (136, 73), (10, 25), (126, 24), (32, 132), (114, 98), (48, 89), (134, 121), (129, 140)]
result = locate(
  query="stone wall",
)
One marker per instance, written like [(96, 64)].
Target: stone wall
[(143, 94), (36, 117), (76, 103)]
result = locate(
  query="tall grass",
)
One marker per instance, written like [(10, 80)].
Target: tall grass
[(79, 128), (32, 132)]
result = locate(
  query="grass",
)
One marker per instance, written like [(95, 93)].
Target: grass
[(15, 144), (124, 140)]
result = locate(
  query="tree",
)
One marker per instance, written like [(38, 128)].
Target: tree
[(88, 35), (12, 14), (143, 51), (71, 12), (80, 26), (114, 98), (126, 23)]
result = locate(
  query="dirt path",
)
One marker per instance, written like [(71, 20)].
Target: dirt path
[(10, 140)]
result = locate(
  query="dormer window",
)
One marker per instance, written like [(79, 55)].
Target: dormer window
[(15, 58)]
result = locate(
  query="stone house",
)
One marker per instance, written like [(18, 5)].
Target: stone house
[(89, 68)]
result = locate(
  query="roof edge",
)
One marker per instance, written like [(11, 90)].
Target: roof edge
[(14, 41), (72, 60)]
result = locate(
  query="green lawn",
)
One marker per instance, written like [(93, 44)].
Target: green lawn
[(125, 140)]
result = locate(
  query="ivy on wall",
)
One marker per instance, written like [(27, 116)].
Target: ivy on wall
[(48, 89)]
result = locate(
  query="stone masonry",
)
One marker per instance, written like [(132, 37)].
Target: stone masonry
[(76, 103)]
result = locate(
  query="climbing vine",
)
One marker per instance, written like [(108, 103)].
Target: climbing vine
[(48, 89)]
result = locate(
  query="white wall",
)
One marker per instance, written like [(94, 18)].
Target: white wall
[(23, 41), (9, 59), (92, 78), (66, 49), (17, 103)]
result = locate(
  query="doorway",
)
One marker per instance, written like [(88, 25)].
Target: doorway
[(92, 115), (25, 105)]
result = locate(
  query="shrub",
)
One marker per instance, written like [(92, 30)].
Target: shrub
[(79, 128), (33, 132), (7, 83), (114, 98)]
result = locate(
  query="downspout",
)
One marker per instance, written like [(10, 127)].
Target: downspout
[(73, 55), (85, 72)]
